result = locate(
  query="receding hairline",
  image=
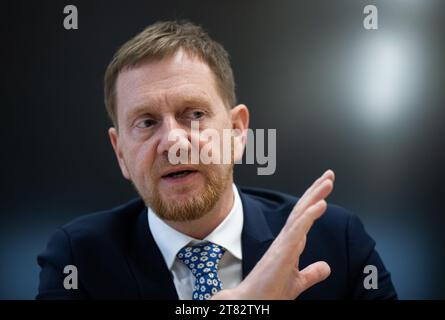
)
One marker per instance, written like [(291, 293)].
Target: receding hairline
[(153, 59), (199, 95), (163, 39)]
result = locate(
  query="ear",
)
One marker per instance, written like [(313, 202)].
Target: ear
[(114, 138), (240, 124)]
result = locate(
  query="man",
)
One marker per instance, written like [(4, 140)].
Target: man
[(194, 234)]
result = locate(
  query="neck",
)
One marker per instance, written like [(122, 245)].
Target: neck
[(202, 227)]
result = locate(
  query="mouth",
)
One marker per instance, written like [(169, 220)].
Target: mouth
[(179, 174)]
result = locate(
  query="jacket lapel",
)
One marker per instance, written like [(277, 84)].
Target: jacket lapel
[(256, 236), (147, 264)]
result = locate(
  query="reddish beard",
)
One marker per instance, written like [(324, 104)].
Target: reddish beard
[(216, 179)]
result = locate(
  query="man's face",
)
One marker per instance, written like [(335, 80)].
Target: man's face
[(152, 100)]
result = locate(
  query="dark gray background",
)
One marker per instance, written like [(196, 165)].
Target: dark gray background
[(368, 104)]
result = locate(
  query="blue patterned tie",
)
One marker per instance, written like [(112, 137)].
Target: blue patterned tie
[(202, 260)]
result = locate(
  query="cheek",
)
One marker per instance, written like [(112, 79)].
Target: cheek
[(218, 143), (141, 159)]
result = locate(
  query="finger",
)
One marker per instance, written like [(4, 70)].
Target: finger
[(321, 192), (328, 174), (296, 227), (314, 212), (291, 241), (301, 205), (312, 275), (300, 247), (299, 228)]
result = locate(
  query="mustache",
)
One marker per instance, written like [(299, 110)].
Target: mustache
[(163, 165)]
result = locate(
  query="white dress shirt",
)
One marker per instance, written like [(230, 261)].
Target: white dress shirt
[(227, 234)]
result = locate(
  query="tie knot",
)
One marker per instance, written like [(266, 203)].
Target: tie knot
[(201, 258)]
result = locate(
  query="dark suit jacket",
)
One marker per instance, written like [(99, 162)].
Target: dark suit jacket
[(117, 257)]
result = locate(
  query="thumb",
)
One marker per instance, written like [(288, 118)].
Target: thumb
[(313, 274)]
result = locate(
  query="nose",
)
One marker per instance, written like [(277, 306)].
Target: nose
[(171, 133)]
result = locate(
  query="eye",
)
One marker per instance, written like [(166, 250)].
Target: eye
[(197, 114), (145, 123)]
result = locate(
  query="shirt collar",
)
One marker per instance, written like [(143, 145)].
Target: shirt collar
[(227, 234)]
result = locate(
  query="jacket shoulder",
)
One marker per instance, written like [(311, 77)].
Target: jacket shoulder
[(276, 207), (89, 242), (99, 224)]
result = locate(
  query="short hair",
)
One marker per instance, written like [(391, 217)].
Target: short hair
[(163, 39)]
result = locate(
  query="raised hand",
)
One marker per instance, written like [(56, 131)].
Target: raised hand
[(277, 275)]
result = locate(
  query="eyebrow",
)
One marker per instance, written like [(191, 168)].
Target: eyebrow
[(150, 107), (140, 109)]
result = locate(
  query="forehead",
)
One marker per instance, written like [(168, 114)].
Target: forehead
[(164, 83)]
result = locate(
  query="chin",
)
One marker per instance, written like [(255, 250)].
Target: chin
[(182, 194)]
